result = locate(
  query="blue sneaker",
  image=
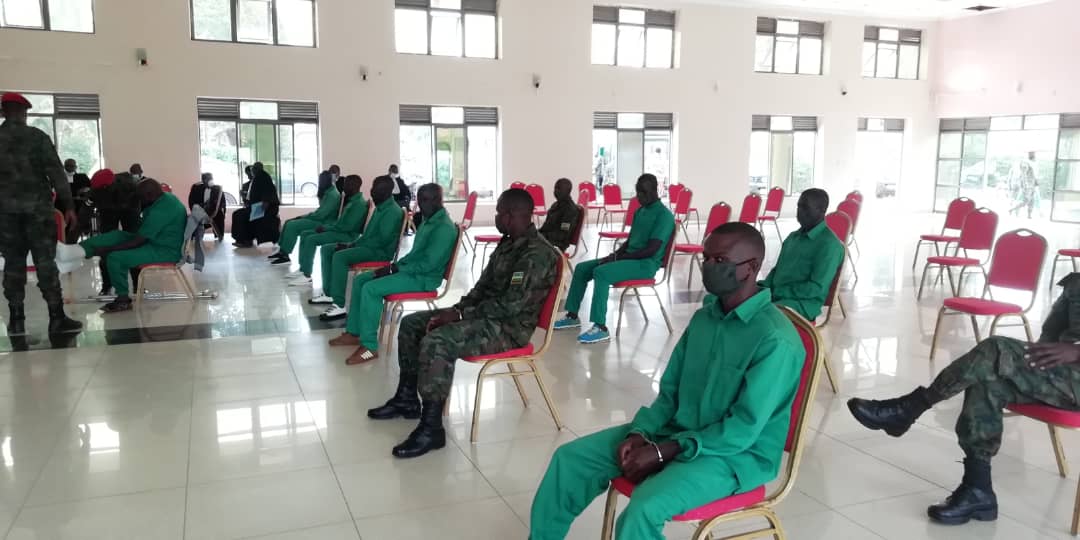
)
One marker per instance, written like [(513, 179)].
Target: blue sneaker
[(566, 323), (594, 335)]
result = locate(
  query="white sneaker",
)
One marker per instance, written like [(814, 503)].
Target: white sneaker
[(334, 312), (302, 281), (321, 299), (294, 275)]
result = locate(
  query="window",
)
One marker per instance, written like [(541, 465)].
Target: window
[(879, 148), (446, 27), (271, 22), (57, 15), (626, 145), (633, 37), (782, 153), (788, 46), (455, 147), (283, 135), (1066, 202), (891, 53), (73, 122)]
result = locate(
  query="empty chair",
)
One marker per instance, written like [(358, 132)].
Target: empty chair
[(1071, 254), (853, 208), (682, 210), (977, 234), (750, 209), (773, 203), (624, 233), (536, 191), (855, 196), (592, 204), (954, 219), (517, 185), (719, 215), (674, 190), (612, 203), (467, 221)]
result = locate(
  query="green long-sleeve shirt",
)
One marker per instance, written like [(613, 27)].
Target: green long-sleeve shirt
[(432, 248), (805, 270), (329, 204), (352, 217), (383, 232), (728, 388), (652, 222)]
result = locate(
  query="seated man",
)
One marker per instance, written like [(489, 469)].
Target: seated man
[(326, 214), (378, 243), (558, 227), (345, 229), (637, 258), (808, 259), (421, 270), (159, 239), (207, 195), (500, 313), (999, 371), (720, 422)]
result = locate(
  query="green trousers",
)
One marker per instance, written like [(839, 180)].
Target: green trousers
[(603, 276), (366, 307), (335, 269), (291, 232), (580, 471), (311, 242), (119, 263)]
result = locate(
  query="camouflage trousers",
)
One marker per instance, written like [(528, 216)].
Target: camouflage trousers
[(991, 376), (35, 234), (429, 357)]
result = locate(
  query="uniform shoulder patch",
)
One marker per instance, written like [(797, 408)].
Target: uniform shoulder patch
[(517, 278), (565, 226)]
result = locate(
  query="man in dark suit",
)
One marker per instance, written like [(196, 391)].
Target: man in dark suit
[(80, 193), (208, 195)]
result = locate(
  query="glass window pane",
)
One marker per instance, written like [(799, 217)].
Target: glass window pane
[(763, 53), (909, 62), (974, 145), (286, 179), (631, 51), (479, 35), (1067, 207), (658, 155), (631, 121), (450, 168), (410, 31), (759, 160), (71, 15), (949, 145), (659, 42), (79, 140), (787, 51), (446, 4), (802, 176), (630, 159), (296, 23), (886, 60), (213, 20), (447, 115), (306, 162), (254, 21), (1041, 121), (605, 147), (445, 33), (1007, 123), (483, 160), (26, 13), (603, 44), (869, 54), (810, 56), (780, 123), (415, 154), (218, 154), (1068, 176), (633, 16), (44, 123), (888, 34), (1069, 144), (40, 103), (948, 172), (787, 27), (780, 160), (875, 124), (258, 110), (943, 196)]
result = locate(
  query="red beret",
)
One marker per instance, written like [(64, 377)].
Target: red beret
[(15, 97), (102, 178)]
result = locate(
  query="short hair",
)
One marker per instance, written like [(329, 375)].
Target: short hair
[(206, 175), (353, 178), (745, 233), (383, 179), (649, 178), (517, 199), (334, 167), (393, 168), (427, 188), (564, 180), (818, 197)]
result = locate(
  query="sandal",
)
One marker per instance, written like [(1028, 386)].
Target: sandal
[(362, 355), (116, 306)]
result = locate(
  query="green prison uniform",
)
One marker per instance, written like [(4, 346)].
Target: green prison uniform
[(725, 396), (163, 228), (344, 230), (379, 242), (325, 215), (805, 270), (654, 221), (421, 270)]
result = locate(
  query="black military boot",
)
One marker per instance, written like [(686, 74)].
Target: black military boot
[(974, 499), (404, 404), (17, 320), (895, 415), (428, 436), (60, 323)]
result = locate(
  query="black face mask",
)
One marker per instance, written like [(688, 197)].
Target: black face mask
[(720, 278)]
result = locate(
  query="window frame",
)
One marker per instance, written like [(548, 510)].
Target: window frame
[(644, 26), (798, 36), (464, 125), (462, 12), (46, 20), (899, 43), (94, 114), (756, 125), (600, 123), (234, 6)]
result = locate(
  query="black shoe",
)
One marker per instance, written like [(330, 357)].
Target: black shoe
[(242, 245), (281, 259), (895, 416), (427, 436), (404, 404), (274, 255), (105, 291), (17, 321), (60, 323), (965, 504)]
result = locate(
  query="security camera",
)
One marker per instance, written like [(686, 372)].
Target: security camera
[(536, 82), (843, 91)]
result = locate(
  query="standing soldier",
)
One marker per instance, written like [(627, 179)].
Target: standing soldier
[(29, 171)]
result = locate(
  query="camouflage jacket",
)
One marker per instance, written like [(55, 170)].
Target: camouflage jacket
[(514, 284), (29, 171)]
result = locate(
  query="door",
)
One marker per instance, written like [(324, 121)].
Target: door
[(259, 143)]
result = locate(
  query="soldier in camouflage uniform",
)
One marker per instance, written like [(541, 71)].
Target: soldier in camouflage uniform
[(30, 171), (500, 313), (999, 371)]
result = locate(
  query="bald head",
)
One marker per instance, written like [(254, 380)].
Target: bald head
[(382, 188), (513, 212), (430, 199), (813, 204), (352, 184), (149, 191), (740, 239), (563, 188), (732, 260), (647, 189)]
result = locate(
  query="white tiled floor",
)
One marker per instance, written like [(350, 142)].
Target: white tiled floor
[(265, 435)]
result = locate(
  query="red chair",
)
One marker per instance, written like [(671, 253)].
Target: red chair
[(751, 207), (773, 203), (674, 190), (840, 224), (954, 221), (371, 266), (634, 285), (628, 220), (583, 207), (977, 234), (855, 196), (719, 215), (517, 185), (166, 188), (467, 221), (1072, 255), (682, 210), (612, 203), (853, 208), (523, 356), (1016, 264), (575, 239), (536, 191), (1054, 418), (590, 188), (759, 502)]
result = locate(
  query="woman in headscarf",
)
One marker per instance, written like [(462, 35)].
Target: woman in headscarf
[(262, 203)]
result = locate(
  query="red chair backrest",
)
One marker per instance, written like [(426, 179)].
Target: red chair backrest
[(590, 188), (852, 208), (536, 191), (583, 197), (1017, 261), (166, 188), (854, 196), (470, 210), (448, 273), (673, 192), (517, 185), (751, 206), (61, 229), (631, 209), (669, 250), (612, 195), (718, 215), (682, 207), (840, 225), (550, 307), (579, 224), (807, 378), (958, 210), (979, 229), (775, 200)]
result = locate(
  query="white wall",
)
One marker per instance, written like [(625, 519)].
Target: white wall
[(149, 113)]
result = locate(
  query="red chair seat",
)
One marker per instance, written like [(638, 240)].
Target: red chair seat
[(157, 265), (689, 248), (595, 206), (410, 296), (707, 511), (488, 238), (979, 306), (614, 234), (512, 353), (369, 265), (539, 212), (1069, 252), (635, 283), (1048, 414), (939, 238), (953, 261)]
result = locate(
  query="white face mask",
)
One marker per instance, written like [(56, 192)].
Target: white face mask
[(137, 176), (71, 176), (394, 176)]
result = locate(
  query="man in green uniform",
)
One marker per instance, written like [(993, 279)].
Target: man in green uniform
[(421, 270), (345, 229), (160, 239), (999, 371), (808, 259), (378, 243), (326, 214), (500, 313), (558, 227), (30, 171), (720, 422), (637, 258)]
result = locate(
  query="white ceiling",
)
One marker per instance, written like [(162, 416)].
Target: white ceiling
[(907, 9)]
